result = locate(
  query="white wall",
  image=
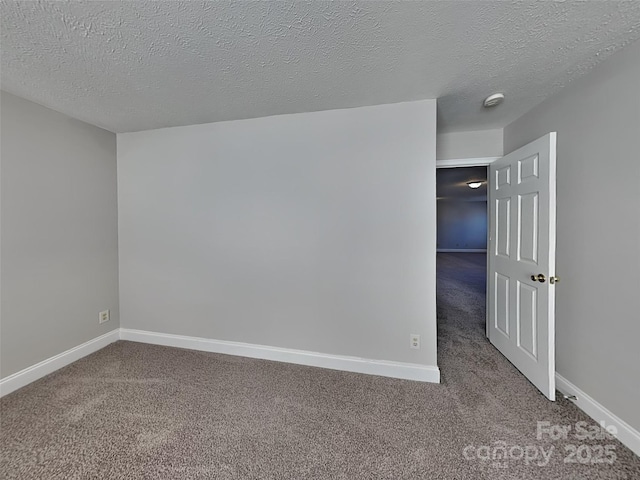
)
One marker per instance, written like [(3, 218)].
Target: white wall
[(58, 220), (313, 231), (462, 225), (473, 144), (598, 246)]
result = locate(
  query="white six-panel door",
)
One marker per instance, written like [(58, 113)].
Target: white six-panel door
[(521, 258)]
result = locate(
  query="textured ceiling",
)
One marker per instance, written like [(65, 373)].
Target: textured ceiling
[(136, 65)]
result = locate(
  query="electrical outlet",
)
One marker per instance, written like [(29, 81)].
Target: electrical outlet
[(103, 316), (414, 341)]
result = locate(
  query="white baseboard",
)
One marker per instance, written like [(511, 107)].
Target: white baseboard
[(407, 371), (627, 435), (50, 365), (462, 250)]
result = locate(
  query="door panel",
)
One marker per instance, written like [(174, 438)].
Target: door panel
[(503, 177), (528, 229), (521, 320), (526, 322), (503, 226), (528, 169), (502, 304)]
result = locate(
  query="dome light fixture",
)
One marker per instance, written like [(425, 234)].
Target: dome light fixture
[(474, 185), (493, 100)]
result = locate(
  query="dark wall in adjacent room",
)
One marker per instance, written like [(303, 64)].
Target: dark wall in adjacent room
[(462, 224), (462, 211)]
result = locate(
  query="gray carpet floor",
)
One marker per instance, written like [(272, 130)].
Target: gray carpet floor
[(142, 411)]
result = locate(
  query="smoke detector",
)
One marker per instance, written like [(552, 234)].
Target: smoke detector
[(493, 100)]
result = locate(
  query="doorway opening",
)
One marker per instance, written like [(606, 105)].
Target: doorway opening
[(461, 261), (520, 279)]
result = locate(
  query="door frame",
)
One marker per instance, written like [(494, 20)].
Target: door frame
[(476, 162)]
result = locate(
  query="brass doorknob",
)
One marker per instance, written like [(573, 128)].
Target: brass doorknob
[(553, 280), (538, 278)]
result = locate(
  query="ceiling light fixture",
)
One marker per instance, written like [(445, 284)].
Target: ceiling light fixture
[(493, 100), (474, 185)]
